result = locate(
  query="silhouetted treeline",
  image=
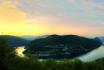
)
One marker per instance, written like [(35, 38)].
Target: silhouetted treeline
[(9, 61)]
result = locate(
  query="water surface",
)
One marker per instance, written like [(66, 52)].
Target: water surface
[(93, 55)]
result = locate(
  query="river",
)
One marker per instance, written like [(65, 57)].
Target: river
[(19, 51), (91, 56)]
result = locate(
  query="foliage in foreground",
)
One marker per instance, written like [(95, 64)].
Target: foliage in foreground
[(9, 61)]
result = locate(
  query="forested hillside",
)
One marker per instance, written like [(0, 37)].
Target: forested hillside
[(9, 61), (62, 46)]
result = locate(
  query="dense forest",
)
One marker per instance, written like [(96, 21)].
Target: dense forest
[(62, 46), (9, 61)]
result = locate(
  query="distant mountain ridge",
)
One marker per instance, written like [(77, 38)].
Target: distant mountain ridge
[(100, 38), (14, 41), (30, 38)]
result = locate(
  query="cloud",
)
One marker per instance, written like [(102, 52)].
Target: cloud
[(11, 14), (97, 4), (71, 1), (11, 18), (53, 16), (92, 4)]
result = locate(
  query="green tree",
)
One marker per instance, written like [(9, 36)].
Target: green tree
[(5, 53)]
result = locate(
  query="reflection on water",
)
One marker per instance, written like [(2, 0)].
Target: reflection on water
[(95, 54), (91, 56), (20, 50)]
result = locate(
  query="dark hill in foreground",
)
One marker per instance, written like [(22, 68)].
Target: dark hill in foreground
[(59, 47)]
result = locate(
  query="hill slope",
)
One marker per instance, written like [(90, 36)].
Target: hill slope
[(14, 41), (59, 47)]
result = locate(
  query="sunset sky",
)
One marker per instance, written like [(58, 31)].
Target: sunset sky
[(42, 17)]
